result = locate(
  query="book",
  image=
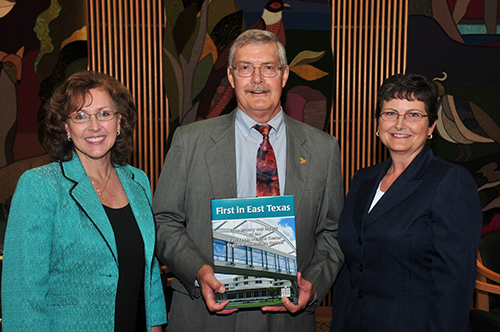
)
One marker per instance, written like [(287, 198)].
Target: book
[(254, 247)]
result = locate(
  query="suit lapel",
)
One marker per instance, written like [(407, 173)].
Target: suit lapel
[(221, 158), (402, 188), (365, 194), (84, 194), (141, 207), (296, 171), (397, 192)]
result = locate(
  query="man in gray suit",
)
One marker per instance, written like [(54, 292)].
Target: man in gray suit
[(216, 158)]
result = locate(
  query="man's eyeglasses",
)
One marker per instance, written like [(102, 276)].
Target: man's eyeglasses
[(82, 117), (268, 71), (390, 116)]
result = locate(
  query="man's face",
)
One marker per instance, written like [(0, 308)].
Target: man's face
[(258, 96)]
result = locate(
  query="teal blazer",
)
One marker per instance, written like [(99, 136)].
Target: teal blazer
[(60, 266)]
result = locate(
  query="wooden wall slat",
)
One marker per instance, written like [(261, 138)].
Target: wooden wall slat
[(125, 41), (369, 45)]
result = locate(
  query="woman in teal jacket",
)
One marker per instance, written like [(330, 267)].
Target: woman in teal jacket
[(78, 252)]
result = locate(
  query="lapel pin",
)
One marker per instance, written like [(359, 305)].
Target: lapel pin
[(302, 161)]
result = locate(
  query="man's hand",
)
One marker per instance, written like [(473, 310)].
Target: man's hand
[(208, 284), (306, 295)]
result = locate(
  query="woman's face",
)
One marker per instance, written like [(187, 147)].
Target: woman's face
[(403, 137), (95, 138)]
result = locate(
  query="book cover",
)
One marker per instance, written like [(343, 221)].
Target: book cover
[(254, 249)]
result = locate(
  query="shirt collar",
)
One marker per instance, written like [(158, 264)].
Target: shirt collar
[(246, 123)]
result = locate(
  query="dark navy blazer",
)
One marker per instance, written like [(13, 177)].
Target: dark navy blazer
[(411, 261)]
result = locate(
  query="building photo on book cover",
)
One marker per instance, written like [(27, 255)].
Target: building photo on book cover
[(254, 248)]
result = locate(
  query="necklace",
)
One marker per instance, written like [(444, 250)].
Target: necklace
[(100, 192)]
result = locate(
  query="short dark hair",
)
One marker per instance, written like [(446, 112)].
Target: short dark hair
[(410, 87), (71, 97)]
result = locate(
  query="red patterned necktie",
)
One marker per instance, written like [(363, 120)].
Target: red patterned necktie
[(267, 170)]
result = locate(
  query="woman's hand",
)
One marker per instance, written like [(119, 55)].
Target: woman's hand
[(156, 328)]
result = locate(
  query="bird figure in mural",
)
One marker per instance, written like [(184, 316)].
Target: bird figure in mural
[(10, 75), (218, 92), (272, 20), (462, 122)]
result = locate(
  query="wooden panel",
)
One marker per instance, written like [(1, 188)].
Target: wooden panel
[(369, 45), (125, 38)]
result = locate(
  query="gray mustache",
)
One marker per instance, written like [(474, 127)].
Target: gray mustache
[(257, 89)]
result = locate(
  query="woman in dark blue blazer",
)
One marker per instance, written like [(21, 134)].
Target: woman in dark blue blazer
[(79, 245), (410, 227)]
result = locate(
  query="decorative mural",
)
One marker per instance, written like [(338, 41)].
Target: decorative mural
[(196, 48), (456, 43), (41, 43)]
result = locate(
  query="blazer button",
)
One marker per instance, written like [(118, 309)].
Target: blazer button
[(361, 268), (359, 240), (360, 295)]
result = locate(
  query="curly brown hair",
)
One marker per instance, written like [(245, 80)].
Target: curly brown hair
[(71, 97)]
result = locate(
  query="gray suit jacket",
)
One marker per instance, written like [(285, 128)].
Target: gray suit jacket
[(200, 166)]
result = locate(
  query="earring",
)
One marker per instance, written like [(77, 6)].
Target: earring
[(69, 138), (118, 132), (376, 133), (429, 136)]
